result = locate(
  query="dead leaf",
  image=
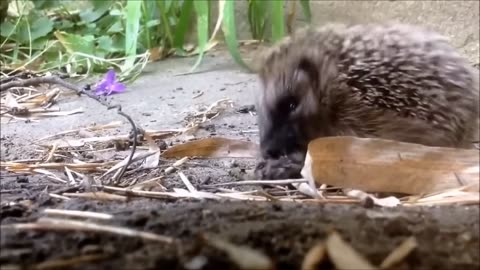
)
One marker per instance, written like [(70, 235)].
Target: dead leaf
[(213, 148), (343, 256), (243, 256), (462, 195), (157, 53), (378, 165)]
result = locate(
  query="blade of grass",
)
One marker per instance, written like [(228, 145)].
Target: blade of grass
[(229, 31), (306, 9), (278, 20), (257, 16), (201, 9), (132, 28), (146, 18), (163, 7), (182, 27)]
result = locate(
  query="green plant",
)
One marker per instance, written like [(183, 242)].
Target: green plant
[(92, 36)]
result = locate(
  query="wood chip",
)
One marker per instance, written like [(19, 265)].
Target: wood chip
[(400, 253), (343, 256)]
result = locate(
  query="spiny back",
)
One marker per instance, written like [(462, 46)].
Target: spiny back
[(394, 67)]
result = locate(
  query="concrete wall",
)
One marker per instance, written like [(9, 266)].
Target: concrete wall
[(459, 20)]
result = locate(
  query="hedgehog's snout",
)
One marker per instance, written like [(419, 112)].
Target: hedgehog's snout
[(283, 140)]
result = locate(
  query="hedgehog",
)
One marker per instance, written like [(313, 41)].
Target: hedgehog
[(391, 81)]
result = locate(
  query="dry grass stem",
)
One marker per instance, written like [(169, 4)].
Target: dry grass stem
[(103, 196), (48, 224), (74, 213)]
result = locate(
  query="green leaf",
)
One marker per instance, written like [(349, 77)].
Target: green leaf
[(133, 10), (201, 9), (46, 4), (182, 26), (228, 28), (23, 31), (77, 43), (100, 7), (41, 27), (116, 12), (306, 9), (40, 43), (63, 24), (117, 27), (278, 20), (152, 23), (105, 43), (118, 43), (7, 28)]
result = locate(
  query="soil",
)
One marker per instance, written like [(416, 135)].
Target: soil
[(448, 236)]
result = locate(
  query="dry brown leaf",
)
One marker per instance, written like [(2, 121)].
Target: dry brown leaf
[(157, 53), (343, 256), (399, 253), (315, 256), (213, 148), (462, 195), (377, 165), (244, 257)]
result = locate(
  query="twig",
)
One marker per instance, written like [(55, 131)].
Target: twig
[(186, 182), (259, 182), (73, 213), (53, 195), (68, 263), (176, 165), (79, 91), (97, 196), (72, 225)]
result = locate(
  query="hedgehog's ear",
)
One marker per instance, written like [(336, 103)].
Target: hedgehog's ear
[(306, 71)]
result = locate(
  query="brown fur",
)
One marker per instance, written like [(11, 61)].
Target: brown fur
[(392, 81)]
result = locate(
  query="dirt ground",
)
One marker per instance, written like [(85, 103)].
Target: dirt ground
[(448, 237)]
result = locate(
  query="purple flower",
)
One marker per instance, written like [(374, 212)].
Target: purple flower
[(109, 85)]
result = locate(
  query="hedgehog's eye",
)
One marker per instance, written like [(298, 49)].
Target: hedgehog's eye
[(289, 105), (292, 105)]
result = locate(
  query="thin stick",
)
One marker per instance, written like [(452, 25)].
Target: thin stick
[(47, 224), (68, 263), (74, 213), (259, 182), (187, 183), (97, 196), (53, 195)]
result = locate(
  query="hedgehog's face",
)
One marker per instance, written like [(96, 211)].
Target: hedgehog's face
[(286, 108)]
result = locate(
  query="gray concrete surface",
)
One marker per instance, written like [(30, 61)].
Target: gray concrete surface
[(154, 101), (157, 100)]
